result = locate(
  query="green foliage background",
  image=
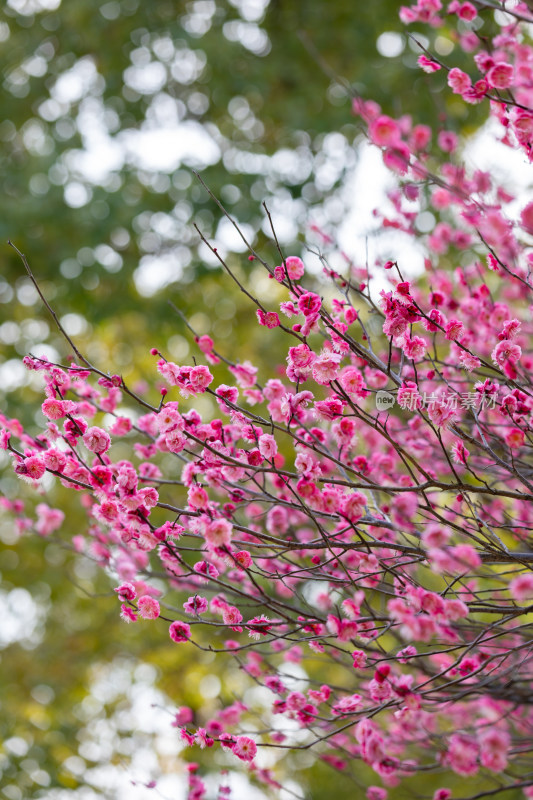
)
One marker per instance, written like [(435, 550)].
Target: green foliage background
[(270, 93)]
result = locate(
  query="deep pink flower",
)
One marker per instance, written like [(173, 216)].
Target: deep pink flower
[(359, 659), (243, 559), (354, 506), (232, 617), (197, 497), (459, 452), (179, 632), (309, 304), (526, 215), (329, 409), (128, 614), (521, 588), (267, 446), (195, 605), (148, 607)]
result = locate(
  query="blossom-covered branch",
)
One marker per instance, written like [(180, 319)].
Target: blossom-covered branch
[(365, 511)]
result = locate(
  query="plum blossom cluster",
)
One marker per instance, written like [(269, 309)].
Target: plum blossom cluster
[(389, 555)]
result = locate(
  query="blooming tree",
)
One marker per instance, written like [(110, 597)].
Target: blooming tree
[(362, 514)]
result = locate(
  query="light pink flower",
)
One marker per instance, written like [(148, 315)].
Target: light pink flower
[(267, 446), (428, 65), (495, 743), (384, 131), (96, 440), (441, 416), (352, 381), (121, 426), (32, 467), (197, 497), (521, 588), (148, 607), (245, 748), (515, 438), (500, 76), (414, 348), (218, 533), (269, 319), (200, 378), (295, 268), (354, 506), (53, 408), (458, 81), (506, 351)]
